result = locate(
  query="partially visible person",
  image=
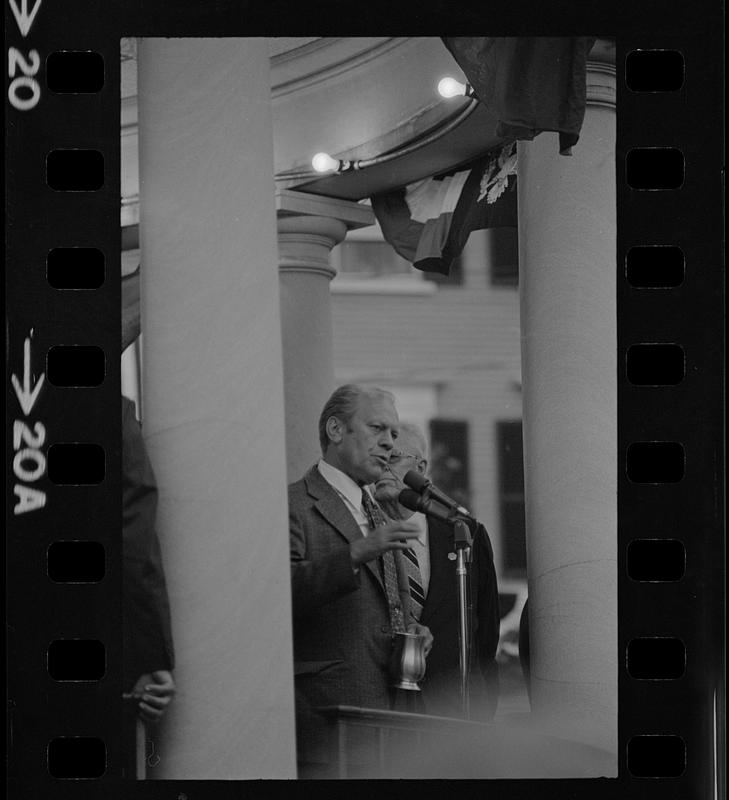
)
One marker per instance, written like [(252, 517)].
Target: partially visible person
[(344, 617), (435, 551), (148, 653), (147, 649)]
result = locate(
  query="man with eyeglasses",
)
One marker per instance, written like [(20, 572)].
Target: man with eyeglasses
[(435, 553)]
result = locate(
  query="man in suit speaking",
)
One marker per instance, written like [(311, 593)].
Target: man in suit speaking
[(436, 556), (349, 585)]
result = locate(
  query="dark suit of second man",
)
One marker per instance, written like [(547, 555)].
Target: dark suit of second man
[(441, 686)]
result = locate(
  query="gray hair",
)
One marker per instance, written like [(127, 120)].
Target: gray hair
[(343, 404), (412, 431)]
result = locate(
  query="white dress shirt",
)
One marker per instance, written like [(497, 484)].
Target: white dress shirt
[(351, 494)]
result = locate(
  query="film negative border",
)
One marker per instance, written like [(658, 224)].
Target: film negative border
[(63, 501), (686, 606), (669, 429)]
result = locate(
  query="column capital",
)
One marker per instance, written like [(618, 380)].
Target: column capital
[(601, 74), (310, 225), (354, 215), (304, 243)]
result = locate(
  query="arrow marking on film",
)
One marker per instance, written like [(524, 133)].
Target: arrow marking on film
[(27, 393), (22, 17)]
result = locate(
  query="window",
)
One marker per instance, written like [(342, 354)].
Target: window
[(449, 458), (454, 276), (373, 259), (503, 256), (415, 404), (368, 259), (511, 497), (365, 262)]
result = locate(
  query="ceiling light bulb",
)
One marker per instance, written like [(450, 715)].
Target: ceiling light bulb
[(323, 162), (450, 87)]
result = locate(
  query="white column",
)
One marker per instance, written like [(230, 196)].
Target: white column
[(567, 252), (309, 227), (214, 404)]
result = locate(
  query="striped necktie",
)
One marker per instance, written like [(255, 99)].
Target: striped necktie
[(387, 564), (410, 559), (415, 583)]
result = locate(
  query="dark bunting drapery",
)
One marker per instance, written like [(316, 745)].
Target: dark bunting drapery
[(531, 84), (429, 222)]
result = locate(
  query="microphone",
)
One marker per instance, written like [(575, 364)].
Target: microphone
[(424, 487), (412, 500)]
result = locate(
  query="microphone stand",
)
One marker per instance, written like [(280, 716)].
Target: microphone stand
[(421, 499), (462, 540)]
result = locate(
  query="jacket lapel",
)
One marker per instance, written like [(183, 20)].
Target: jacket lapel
[(331, 506)]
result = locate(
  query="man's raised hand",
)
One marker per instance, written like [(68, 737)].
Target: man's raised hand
[(397, 535)]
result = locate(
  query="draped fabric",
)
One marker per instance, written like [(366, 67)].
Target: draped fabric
[(531, 84), (429, 222), (146, 626)]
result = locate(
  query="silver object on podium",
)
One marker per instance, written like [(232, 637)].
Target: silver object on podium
[(408, 660)]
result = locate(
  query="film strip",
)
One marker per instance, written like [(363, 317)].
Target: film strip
[(63, 417), (656, 442)]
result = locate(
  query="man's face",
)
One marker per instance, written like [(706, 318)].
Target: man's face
[(366, 441), (404, 457)]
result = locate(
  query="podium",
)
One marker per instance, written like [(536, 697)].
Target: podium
[(372, 743)]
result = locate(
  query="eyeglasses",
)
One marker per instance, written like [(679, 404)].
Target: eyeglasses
[(398, 455)]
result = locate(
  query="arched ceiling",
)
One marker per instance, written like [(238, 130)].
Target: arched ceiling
[(356, 98), (359, 98)]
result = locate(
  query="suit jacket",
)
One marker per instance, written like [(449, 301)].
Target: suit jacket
[(341, 623), (441, 685), (147, 633)]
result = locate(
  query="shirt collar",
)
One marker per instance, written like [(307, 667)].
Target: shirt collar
[(341, 482), (422, 521)]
